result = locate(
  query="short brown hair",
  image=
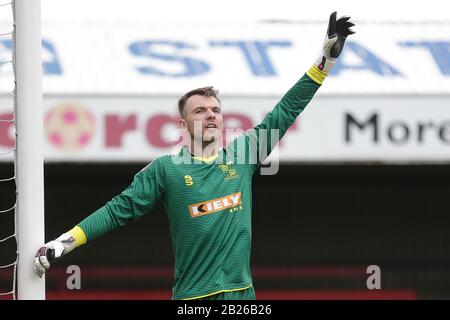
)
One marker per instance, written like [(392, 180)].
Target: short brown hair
[(205, 91)]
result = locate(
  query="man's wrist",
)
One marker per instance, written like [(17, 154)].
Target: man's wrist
[(325, 63)]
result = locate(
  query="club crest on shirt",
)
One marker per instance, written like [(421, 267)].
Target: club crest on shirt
[(228, 171)]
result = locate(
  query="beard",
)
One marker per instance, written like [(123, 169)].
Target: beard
[(211, 135), (206, 135)]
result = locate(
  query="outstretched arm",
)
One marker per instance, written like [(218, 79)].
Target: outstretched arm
[(263, 138), (135, 201)]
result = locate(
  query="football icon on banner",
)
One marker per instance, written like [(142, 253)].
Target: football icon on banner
[(69, 127)]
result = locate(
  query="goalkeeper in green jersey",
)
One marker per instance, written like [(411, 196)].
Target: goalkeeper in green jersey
[(205, 189)]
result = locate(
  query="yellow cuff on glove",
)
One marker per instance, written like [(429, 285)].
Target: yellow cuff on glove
[(78, 234), (316, 75)]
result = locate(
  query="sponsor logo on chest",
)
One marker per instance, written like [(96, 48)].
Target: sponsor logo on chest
[(211, 206)]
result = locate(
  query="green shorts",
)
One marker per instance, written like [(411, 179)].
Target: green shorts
[(246, 294)]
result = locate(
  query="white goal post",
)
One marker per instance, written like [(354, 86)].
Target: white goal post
[(27, 61)]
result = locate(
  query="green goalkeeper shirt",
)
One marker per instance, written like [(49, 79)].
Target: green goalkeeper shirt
[(208, 203)]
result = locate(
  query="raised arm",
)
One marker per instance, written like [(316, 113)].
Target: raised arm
[(261, 140)]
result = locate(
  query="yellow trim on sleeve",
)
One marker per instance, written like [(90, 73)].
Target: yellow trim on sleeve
[(78, 234), (316, 75), (217, 292)]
